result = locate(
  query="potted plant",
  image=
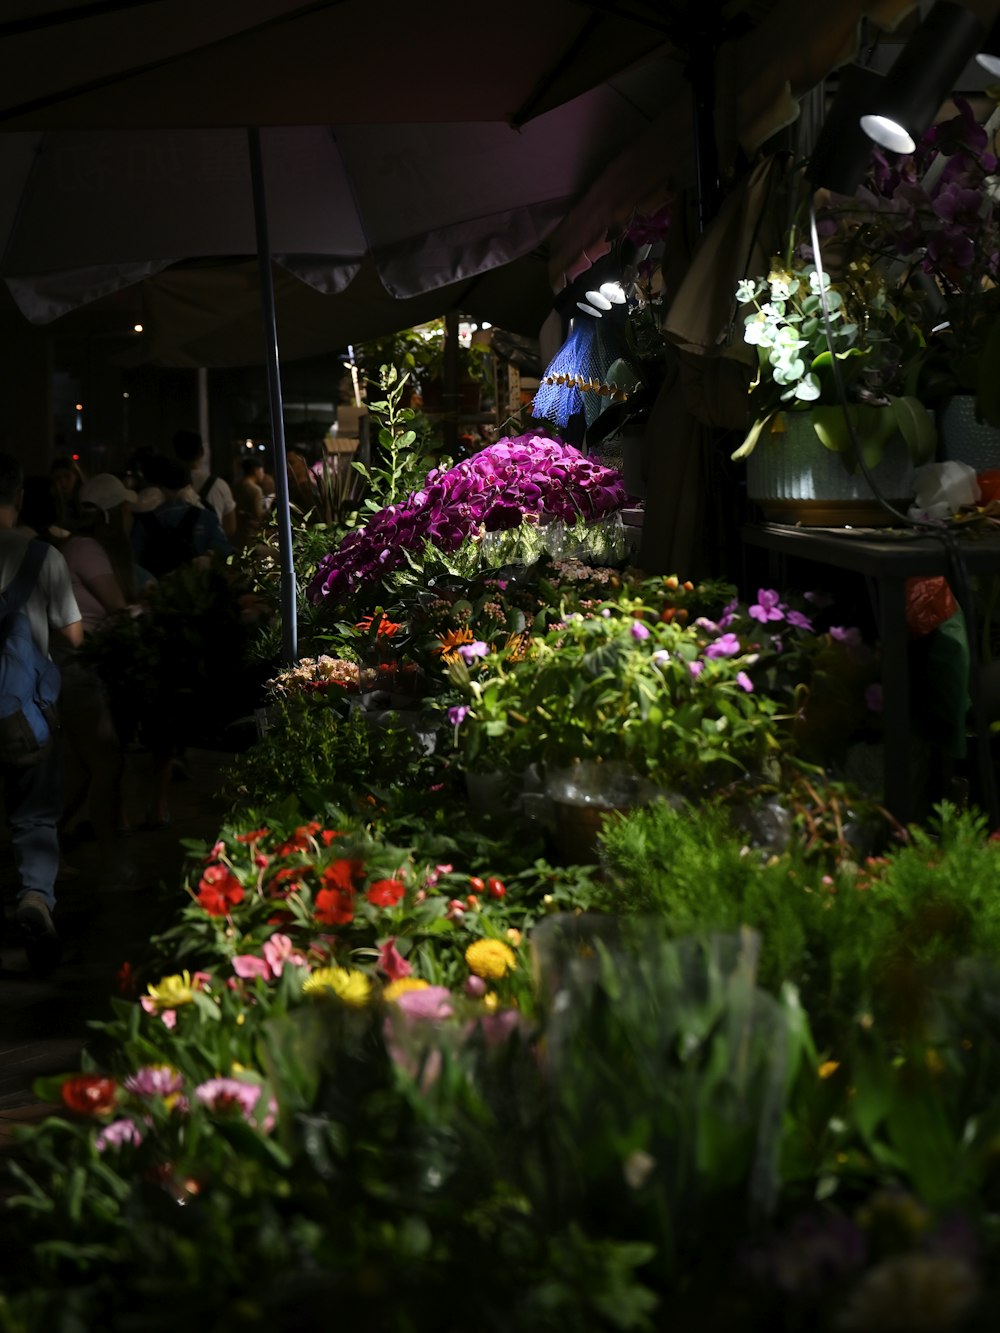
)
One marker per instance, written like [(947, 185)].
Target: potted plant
[(420, 352), (411, 352), (615, 705), (803, 464), (934, 214), (474, 367)]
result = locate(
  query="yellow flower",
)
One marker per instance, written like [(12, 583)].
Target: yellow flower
[(172, 991), (490, 1002), (354, 988), (490, 959), (828, 1067), (397, 988), (517, 645), (514, 936)]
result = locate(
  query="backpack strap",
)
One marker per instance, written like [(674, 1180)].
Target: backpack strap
[(23, 583), (189, 522), (207, 485)]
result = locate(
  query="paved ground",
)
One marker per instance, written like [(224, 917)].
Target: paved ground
[(105, 914)]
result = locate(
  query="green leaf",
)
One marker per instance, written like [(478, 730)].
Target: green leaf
[(873, 426), (916, 425), (752, 436)]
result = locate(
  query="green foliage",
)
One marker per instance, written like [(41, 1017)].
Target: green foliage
[(320, 754), (400, 450), (420, 353), (616, 686), (310, 542), (849, 936)]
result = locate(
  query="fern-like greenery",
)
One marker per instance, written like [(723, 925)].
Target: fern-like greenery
[(853, 938)]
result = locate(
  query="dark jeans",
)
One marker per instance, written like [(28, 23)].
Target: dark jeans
[(32, 800)]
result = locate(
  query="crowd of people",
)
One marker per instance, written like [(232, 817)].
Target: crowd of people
[(107, 541)]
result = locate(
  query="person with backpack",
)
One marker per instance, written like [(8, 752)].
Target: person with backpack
[(211, 489), (37, 597), (175, 531)]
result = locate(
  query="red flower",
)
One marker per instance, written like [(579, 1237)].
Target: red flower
[(219, 890), (127, 984), (299, 841), (495, 888), (386, 892), (342, 874), (328, 835), (289, 875), (254, 835), (88, 1094), (334, 907)]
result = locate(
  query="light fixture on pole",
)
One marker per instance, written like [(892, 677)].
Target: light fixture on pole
[(923, 75), (843, 150)]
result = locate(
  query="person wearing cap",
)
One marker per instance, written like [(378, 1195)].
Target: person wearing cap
[(102, 568), (99, 553)]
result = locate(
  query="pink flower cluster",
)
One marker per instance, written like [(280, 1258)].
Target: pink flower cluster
[(494, 489)]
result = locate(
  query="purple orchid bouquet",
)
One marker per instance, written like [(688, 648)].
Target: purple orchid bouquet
[(527, 478), (932, 219)]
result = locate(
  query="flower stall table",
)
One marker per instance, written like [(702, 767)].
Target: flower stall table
[(889, 558)]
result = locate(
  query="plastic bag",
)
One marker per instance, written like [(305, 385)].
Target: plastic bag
[(942, 488)]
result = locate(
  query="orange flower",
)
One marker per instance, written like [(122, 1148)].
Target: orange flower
[(386, 628), (452, 640), (517, 645)]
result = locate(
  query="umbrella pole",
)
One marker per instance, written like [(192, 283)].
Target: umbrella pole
[(288, 598)]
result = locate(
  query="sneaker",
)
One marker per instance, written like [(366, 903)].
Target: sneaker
[(38, 932)]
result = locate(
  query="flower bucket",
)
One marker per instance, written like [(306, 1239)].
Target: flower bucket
[(582, 795), (963, 438), (795, 479)]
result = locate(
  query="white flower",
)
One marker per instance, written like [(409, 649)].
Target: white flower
[(757, 332), (818, 282), (746, 291), (809, 389), (781, 289)]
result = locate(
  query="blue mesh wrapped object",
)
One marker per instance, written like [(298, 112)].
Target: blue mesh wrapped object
[(592, 347)]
